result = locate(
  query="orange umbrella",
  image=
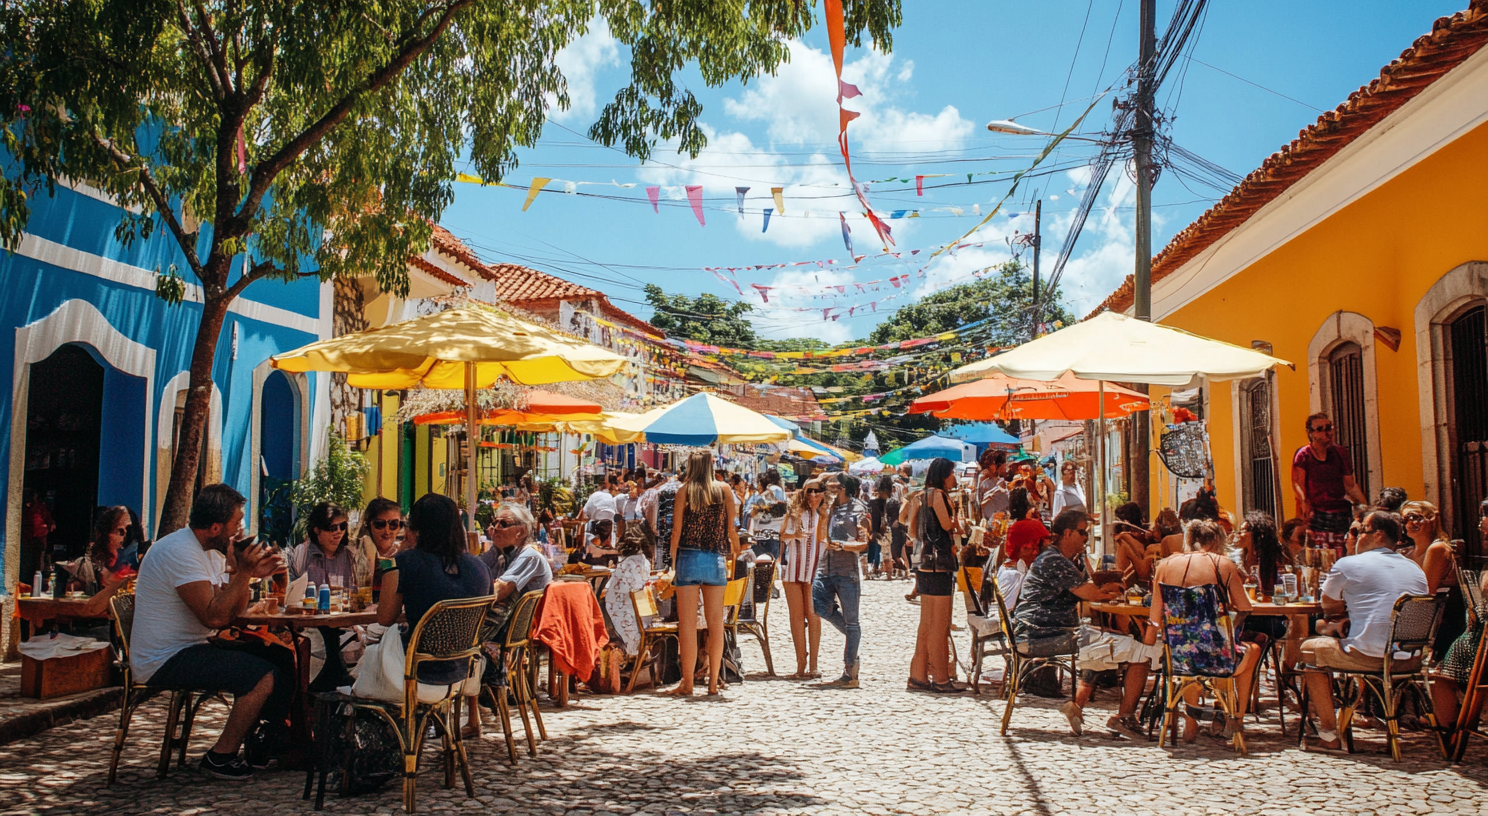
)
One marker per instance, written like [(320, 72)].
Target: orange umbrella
[(1000, 397), (543, 407)]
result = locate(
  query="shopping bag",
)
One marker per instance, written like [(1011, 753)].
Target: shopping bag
[(379, 674)]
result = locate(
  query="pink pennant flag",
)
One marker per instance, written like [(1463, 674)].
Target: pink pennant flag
[(919, 185), (764, 291), (695, 196), (826, 313), (654, 193), (846, 90)]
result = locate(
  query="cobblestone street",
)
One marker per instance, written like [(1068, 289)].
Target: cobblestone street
[(777, 746)]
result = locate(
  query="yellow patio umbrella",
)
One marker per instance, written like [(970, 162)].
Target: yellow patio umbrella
[(604, 428), (469, 348)]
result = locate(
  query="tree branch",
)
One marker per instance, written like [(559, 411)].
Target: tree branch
[(185, 239), (260, 270), (200, 48), (219, 56), (413, 47)]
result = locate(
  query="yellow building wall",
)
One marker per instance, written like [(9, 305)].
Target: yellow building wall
[(1377, 256)]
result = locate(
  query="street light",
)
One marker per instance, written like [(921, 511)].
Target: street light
[(1009, 126)]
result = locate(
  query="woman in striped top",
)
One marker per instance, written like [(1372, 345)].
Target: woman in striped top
[(803, 538)]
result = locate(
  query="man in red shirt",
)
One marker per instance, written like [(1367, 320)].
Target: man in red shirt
[(1324, 486)]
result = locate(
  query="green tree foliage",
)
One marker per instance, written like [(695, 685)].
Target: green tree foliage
[(1005, 295), (273, 140), (706, 318), (339, 478)]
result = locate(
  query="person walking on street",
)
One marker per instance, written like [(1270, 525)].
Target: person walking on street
[(838, 586), (803, 539), (703, 535), (930, 669), (1323, 484)]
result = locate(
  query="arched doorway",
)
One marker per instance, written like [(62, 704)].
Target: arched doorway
[(1468, 338), (64, 420), (279, 457)]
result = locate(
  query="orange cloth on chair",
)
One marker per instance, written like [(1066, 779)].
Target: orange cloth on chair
[(571, 625)]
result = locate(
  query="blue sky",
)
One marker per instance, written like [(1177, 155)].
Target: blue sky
[(1260, 71)]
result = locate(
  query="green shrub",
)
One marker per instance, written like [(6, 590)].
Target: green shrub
[(340, 477)]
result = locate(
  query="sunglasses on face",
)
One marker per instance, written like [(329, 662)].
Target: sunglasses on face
[(382, 524), (1322, 429), (1414, 519), (811, 490), (502, 524), (1084, 532), (335, 528)]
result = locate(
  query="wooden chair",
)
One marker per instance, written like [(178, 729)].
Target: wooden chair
[(1472, 693), (654, 633), (756, 622), (969, 581), (1020, 663), (1179, 677), (1413, 624), (735, 593), (449, 631), (515, 681), (181, 710)]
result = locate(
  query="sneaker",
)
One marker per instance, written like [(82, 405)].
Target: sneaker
[(232, 767), (1127, 727), (1075, 715)]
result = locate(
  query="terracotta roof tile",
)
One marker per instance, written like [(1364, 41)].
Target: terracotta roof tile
[(437, 273), (517, 283), (1451, 41), (446, 242)]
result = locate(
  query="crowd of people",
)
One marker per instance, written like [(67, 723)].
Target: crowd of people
[(696, 529)]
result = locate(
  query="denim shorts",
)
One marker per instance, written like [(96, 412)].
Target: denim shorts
[(699, 568)]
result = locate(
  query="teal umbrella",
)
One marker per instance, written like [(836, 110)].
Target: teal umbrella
[(931, 447)]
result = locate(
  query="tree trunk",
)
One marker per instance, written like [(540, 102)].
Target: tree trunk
[(179, 494)]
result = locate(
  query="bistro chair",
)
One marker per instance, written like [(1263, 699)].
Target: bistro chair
[(736, 595), (1025, 656), (654, 634), (756, 620), (1413, 623), (987, 637), (179, 714), (1196, 630), (514, 682), (1472, 693), (450, 630)]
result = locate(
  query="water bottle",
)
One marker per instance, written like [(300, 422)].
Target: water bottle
[(323, 606), (36, 587)]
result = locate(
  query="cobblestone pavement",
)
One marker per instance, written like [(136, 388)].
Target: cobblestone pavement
[(777, 746)]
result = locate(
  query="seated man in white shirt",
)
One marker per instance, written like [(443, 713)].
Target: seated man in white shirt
[(600, 499), (194, 582), (1365, 587)]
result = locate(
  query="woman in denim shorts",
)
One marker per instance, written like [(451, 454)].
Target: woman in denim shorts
[(704, 540)]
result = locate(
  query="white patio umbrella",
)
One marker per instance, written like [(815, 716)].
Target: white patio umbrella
[(1114, 347)]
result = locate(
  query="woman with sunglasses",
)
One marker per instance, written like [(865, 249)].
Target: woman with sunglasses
[(936, 521), (382, 521), (1432, 552), (322, 556), (803, 536)]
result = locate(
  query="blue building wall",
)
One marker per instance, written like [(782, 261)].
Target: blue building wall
[(78, 258)]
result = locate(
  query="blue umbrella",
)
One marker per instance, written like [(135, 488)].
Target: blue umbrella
[(931, 447), (702, 420), (982, 433)]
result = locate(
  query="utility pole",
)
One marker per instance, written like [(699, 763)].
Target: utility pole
[(1142, 136), (1038, 216)]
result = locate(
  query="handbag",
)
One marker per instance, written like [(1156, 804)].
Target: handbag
[(379, 674)]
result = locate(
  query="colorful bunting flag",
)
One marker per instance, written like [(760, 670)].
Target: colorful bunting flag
[(695, 197), (766, 227), (846, 233), (654, 193), (532, 190), (741, 191), (778, 193)]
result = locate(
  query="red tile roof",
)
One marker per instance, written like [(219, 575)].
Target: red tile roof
[(446, 242), (437, 273), (1451, 41), (517, 283)]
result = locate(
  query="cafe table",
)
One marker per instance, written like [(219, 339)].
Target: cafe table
[(37, 612), (1295, 613)]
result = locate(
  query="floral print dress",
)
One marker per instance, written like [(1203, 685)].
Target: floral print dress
[(629, 575)]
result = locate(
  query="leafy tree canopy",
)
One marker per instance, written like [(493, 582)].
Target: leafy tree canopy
[(321, 138), (1005, 295)]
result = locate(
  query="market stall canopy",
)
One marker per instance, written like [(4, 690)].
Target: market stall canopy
[(784, 423), (932, 447), (543, 407), (982, 433), (434, 351), (1115, 348), (702, 420), (1002, 397), (867, 467), (603, 428), (811, 449)]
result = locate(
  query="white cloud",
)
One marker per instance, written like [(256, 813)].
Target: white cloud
[(1106, 250), (797, 108), (581, 61)]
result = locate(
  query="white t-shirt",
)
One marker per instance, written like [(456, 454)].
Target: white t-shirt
[(1369, 584), (597, 500), (163, 623), (763, 521)]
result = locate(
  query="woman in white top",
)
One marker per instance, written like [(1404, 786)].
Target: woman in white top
[(631, 574), (803, 538), (1068, 496)]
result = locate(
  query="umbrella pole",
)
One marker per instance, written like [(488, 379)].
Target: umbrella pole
[(1100, 452), (472, 442)]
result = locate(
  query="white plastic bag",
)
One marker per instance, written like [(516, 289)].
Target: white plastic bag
[(60, 645), (379, 674)]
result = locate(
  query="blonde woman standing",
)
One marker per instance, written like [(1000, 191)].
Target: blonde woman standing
[(703, 536), (803, 537)]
